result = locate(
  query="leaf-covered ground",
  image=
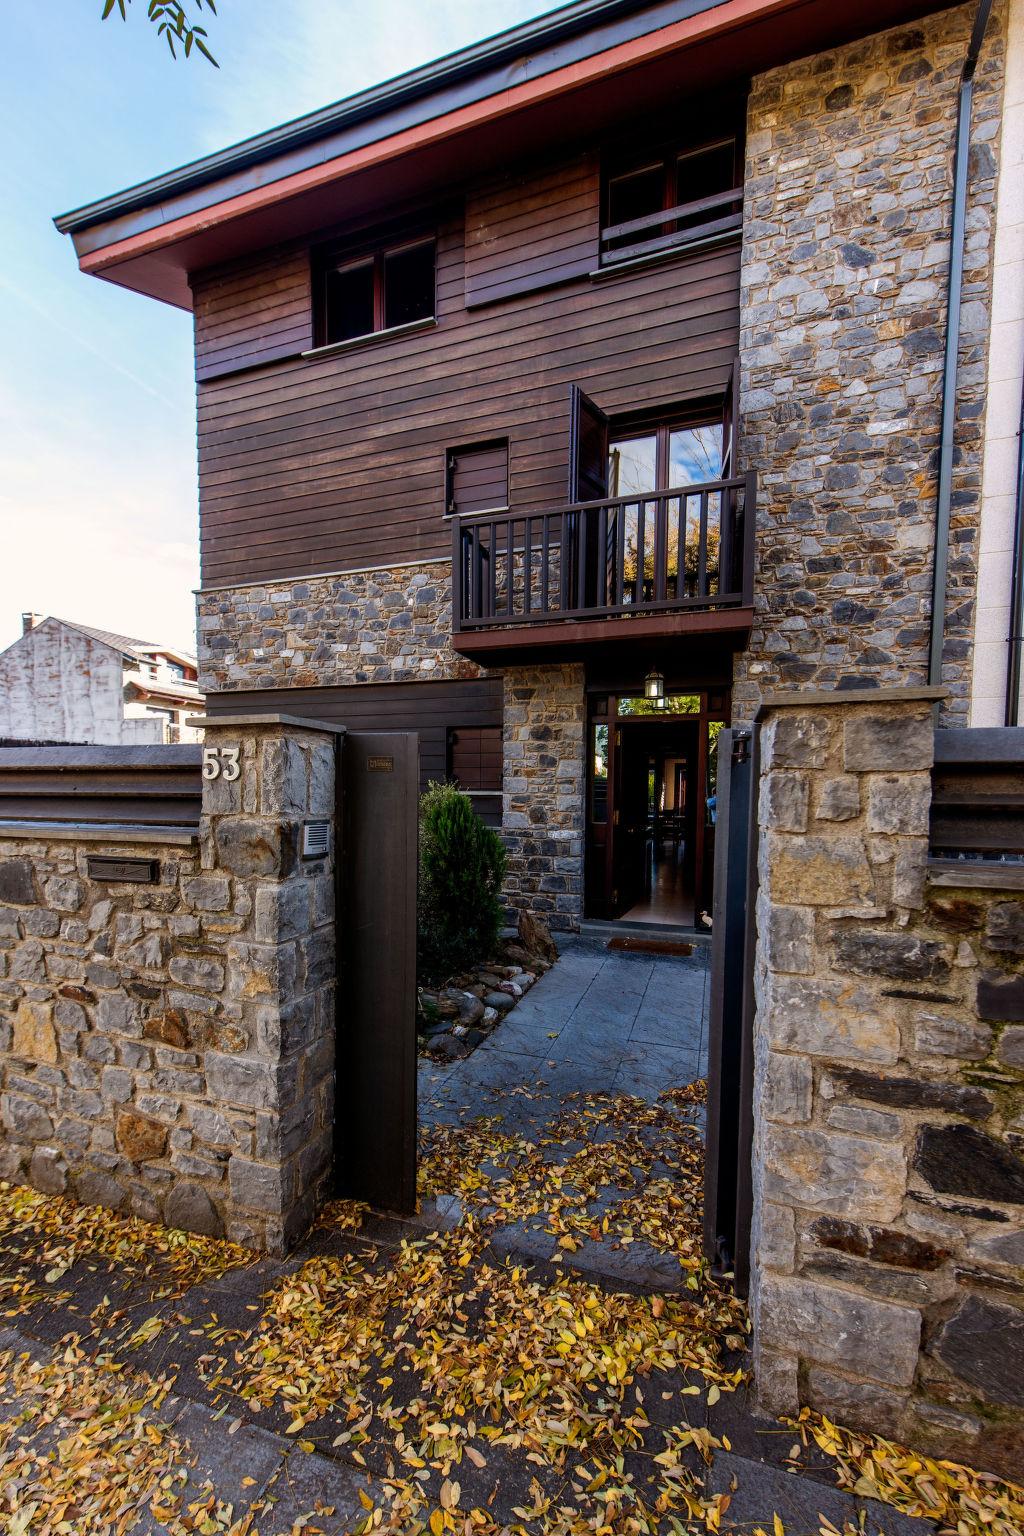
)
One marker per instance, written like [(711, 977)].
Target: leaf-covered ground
[(426, 1377)]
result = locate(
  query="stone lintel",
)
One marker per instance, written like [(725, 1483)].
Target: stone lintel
[(266, 722), (831, 697), (116, 832)]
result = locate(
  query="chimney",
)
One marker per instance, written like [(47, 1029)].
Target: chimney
[(30, 620)]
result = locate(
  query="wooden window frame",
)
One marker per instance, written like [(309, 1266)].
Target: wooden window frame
[(665, 237), (346, 258), (661, 425), (452, 453)]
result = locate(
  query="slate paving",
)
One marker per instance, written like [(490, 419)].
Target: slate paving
[(597, 1022)]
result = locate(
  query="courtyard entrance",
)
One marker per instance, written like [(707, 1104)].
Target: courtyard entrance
[(652, 805)]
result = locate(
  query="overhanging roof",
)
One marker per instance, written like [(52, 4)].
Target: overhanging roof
[(510, 95)]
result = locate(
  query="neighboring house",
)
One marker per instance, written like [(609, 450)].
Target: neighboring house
[(66, 682), (562, 398)]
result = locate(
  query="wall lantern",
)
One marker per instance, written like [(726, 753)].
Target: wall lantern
[(654, 687)]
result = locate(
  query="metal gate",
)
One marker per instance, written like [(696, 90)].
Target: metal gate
[(727, 1180), (375, 1094)]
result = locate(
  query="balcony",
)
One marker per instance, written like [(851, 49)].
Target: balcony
[(651, 567)]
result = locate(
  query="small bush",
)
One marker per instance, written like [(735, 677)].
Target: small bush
[(462, 866)]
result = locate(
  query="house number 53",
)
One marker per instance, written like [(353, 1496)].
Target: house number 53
[(221, 763)]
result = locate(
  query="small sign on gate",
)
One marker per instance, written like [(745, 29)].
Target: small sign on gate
[(380, 765)]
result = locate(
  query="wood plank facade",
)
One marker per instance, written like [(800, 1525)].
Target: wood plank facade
[(336, 461)]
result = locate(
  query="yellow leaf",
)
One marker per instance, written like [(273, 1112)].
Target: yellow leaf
[(365, 1500), (777, 1526)]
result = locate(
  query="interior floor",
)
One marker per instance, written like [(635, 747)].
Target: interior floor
[(670, 897)]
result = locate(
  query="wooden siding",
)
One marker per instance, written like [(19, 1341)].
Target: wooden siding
[(533, 231), (337, 461), (253, 312), (158, 786), (429, 709)]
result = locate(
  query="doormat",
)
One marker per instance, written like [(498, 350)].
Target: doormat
[(633, 941)]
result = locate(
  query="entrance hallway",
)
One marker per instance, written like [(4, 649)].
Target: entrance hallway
[(670, 896), (598, 1022)]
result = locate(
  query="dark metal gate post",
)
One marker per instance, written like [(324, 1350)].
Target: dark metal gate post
[(727, 1187), (375, 1109)]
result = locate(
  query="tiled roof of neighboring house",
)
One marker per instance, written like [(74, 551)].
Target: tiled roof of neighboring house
[(126, 643)]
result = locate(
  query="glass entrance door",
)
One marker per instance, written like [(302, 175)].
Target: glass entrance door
[(659, 458)]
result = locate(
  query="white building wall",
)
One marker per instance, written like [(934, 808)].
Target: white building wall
[(1002, 419), (59, 685)]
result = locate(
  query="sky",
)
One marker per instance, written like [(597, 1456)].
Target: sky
[(98, 499)]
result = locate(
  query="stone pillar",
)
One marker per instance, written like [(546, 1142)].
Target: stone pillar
[(545, 718), (274, 774), (888, 1227)]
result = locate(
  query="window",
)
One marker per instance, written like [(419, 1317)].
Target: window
[(671, 198), (662, 456), (477, 478), (378, 291), (474, 758)]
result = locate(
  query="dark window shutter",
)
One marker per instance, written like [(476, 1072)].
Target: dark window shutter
[(474, 757), (478, 477), (588, 448)]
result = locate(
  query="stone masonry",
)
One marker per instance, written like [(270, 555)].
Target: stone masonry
[(168, 1049), (888, 1235), (383, 626), (545, 717), (843, 309)]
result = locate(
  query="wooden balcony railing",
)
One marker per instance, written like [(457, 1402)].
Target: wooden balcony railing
[(689, 548), (708, 218)]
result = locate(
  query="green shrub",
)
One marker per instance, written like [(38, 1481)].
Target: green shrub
[(462, 866)]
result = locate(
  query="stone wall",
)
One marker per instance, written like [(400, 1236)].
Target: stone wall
[(843, 309), (545, 718), (888, 1238), (383, 626), (168, 1048)]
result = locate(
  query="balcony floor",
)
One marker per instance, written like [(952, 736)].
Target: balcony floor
[(494, 645)]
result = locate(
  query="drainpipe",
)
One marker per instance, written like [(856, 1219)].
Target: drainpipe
[(1017, 599), (961, 153)]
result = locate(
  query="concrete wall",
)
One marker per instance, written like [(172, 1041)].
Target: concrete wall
[(1002, 420), (168, 1048), (57, 684), (888, 1231)]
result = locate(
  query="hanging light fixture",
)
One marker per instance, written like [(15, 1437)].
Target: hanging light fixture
[(654, 687)]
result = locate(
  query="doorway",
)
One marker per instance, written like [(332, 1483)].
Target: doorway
[(651, 807)]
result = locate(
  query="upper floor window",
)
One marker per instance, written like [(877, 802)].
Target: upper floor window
[(672, 197), (379, 290)]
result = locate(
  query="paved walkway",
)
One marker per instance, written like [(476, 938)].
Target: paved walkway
[(598, 1022)]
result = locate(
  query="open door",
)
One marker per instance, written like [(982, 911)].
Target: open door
[(588, 481), (630, 818), (375, 1097), (729, 422)]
